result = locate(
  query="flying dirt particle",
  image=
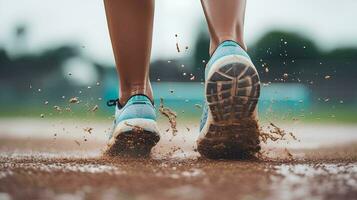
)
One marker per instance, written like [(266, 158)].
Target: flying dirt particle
[(182, 65), (39, 90), (266, 70), (203, 61), (176, 35), (85, 139), (274, 134), (293, 136), (89, 87), (95, 108), (99, 99), (74, 100), (30, 86), (63, 97), (288, 154), (199, 106), (79, 144), (42, 115), (135, 128), (285, 75), (186, 47), (171, 91), (177, 47), (57, 108), (341, 101), (327, 99), (98, 84), (55, 135), (304, 47), (285, 42), (327, 77), (188, 129), (69, 74), (171, 115), (301, 101), (192, 78), (158, 80), (46, 102), (88, 130), (184, 74), (169, 61)]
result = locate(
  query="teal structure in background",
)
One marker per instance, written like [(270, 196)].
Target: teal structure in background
[(185, 98)]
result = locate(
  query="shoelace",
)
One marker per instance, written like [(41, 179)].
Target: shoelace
[(114, 102)]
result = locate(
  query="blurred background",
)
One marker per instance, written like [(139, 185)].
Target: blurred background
[(305, 52)]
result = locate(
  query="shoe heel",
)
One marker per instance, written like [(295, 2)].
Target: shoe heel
[(232, 92)]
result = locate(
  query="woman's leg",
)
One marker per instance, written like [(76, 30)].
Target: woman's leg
[(232, 86), (130, 25), (225, 20)]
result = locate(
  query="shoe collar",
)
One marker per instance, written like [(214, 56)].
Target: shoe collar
[(131, 100)]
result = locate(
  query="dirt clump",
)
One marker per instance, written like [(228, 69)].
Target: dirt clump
[(95, 108), (74, 100), (171, 115), (88, 130), (274, 134)]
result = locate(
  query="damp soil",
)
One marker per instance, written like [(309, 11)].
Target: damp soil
[(58, 168), (43, 177)]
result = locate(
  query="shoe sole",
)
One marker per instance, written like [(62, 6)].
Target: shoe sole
[(134, 138), (232, 91)]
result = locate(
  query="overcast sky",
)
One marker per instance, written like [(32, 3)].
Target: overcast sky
[(331, 23)]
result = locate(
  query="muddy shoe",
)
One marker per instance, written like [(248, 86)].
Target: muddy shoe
[(229, 127), (135, 130)]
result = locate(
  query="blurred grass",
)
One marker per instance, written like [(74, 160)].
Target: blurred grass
[(315, 114)]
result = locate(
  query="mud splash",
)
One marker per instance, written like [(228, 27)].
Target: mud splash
[(171, 115), (275, 134), (251, 141)]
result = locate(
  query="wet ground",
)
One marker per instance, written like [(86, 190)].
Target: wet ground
[(60, 160)]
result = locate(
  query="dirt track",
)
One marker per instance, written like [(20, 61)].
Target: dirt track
[(59, 168)]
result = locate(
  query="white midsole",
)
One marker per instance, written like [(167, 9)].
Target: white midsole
[(225, 60), (130, 124)]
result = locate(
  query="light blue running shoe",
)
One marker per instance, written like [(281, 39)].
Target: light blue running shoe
[(229, 127), (135, 130)]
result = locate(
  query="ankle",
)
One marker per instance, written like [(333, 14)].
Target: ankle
[(126, 95), (215, 43)]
